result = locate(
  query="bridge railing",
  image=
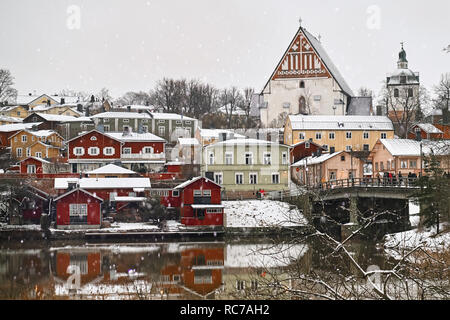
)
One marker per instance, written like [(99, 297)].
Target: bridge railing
[(366, 182)]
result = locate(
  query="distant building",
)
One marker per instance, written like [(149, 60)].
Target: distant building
[(426, 131), (37, 143)]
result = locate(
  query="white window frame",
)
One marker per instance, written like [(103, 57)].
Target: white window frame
[(241, 175), (19, 152), (301, 135), (267, 158), (348, 135), (38, 154), (175, 193), (28, 152), (24, 138), (126, 120), (284, 158), (113, 150), (318, 135), (227, 154), (207, 193), (126, 150), (250, 178), (331, 135), (250, 158), (93, 138), (383, 135), (366, 135), (211, 158), (276, 174), (197, 193), (78, 149), (162, 130), (106, 128), (78, 209), (145, 149), (31, 166), (91, 149), (217, 175), (348, 148)]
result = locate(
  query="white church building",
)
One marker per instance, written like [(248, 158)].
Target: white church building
[(305, 81)]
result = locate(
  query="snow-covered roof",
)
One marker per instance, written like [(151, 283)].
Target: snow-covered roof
[(248, 141), (169, 116), (409, 147), (328, 63), (104, 183), (214, 133), (18, 126), (134, 136), (27, 99), (188, 182), (54, 117), (301, 122), (36, 158), (11, 119), (129, 199), (237, 111), (78, 189), (111, 168), (38, 133), (188, 142), (125, 115), (428, 128), (206, 206), (136, 107), (315, 160), (79, 119)]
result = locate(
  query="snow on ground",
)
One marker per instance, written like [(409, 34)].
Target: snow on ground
[(408, 240), (261, 213), (122, 226), (5, 226), (259, 256)]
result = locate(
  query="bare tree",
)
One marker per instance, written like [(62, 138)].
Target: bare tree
[(134, 98), (231, 99), (7, 92), (442, 100)]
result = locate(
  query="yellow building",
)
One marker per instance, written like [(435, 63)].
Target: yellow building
[(14, 111), (40, 144), (338, 133), (55, 109)]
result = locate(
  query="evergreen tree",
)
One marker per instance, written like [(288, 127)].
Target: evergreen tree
[(433, 194)]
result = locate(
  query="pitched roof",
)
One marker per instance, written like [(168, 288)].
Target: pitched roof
[(78, 189), (104, 183), (247, 141), (35, 158), (53, 117), (125, 115), (214, 133), (317, 47), (87, 132), (188, 142), (38, 133), (315, 160), (301, 122), (408, 147), (428, 128), (169, 116), (111, 168), (188, 182), (134, 136), (18, 126)]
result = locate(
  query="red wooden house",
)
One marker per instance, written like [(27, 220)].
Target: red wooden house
[(78, 209), (427, 131), (304, 149), (200, 202)]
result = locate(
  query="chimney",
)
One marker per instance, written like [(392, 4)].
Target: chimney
[(129, 108), (63, 101), (222, 136), (48, 102), (79, 108)]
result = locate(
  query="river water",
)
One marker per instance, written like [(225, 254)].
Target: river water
[(188, 270)]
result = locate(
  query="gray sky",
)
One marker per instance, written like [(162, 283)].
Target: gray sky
[(129, 45)]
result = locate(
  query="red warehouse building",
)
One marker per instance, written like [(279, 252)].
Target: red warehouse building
[(78, 209), (200, 200)]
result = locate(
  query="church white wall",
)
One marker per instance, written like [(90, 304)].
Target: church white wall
[(279, 92)]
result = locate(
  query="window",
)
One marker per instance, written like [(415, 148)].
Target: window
[(38, 154), (348, 148), (249, 158), (325, 146), (178, 121), (267, 158), (331, 135), (106, 120), (78, 209), (31, 168), (145, 128), (381, 166), (161, 121), (376, 166), (318, 135), (126, 120), (197, 193), (388, 165), (383, 135), (24, 138), (211, 158), (19, 152), (342, 158), (78, 151), (253, 178), (403, 79), (218, 210), (144, 120), (301, 135), (32, 138), (239, 178), (284, 158), (228, 158), (162, 130), (366, 147), (404, 164), (412, 163), (28, 151), (106, 128), (207, 193), (108, 151), (148, 150), (218, 178), (366, 135), (126, 128), (254, 285), (175, 193), (93, 151), (240, 285), (302, 84), (348, 135), (410, 93), (396, 95), (307, 145), (332, 175), (187, 122), (93, 138), (275, 178), (126, 150)]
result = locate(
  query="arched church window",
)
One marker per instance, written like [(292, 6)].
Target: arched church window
[(302, 105)]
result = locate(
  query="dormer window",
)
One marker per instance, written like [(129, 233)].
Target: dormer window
[(402, 79)]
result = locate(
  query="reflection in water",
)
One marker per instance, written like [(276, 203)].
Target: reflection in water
[(149, 271)]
